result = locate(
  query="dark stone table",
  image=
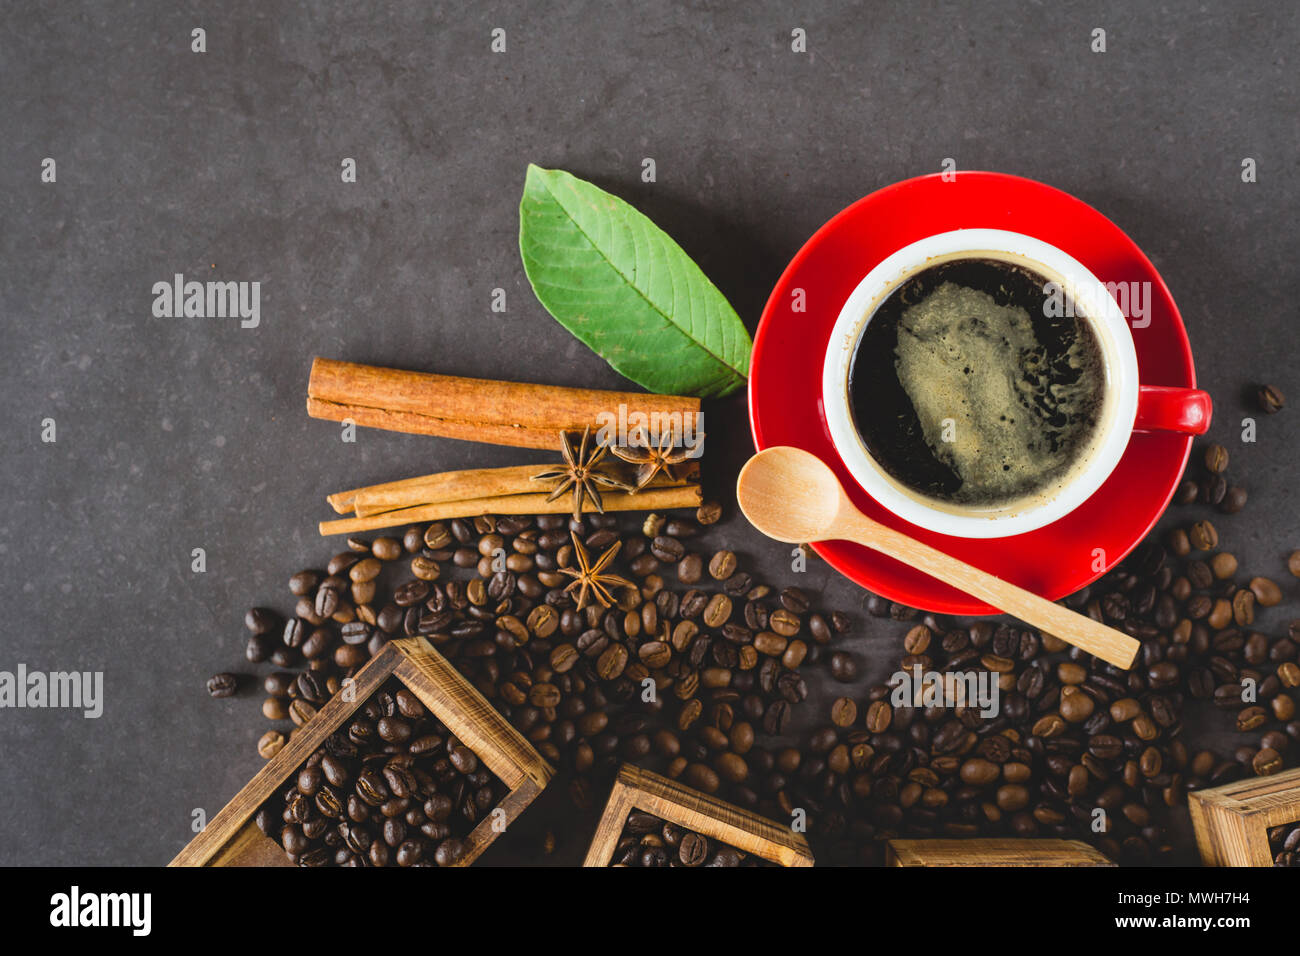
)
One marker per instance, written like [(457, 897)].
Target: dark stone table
[(176, 434)]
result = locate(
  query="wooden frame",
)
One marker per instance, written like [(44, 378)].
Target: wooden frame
[(232, 837), (993, 852), (1232, 821), (637, 789)]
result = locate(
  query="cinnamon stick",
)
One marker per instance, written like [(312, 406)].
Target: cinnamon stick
[(651, 499), (443, 486), (503, 413), (463, 485)]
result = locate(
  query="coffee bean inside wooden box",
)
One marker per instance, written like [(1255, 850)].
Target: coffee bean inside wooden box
[(637, 789), (232, 837)]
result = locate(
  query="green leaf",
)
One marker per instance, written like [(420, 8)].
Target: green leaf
[(621, 285)]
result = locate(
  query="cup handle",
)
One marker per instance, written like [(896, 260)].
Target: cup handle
[(1162, 408)]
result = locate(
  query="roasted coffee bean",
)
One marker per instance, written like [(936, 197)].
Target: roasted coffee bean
[(717, 611), (1266, 762), (722, 566), (708, 513), (367, 569), (1202, 536), (317, 643), (223, 685), (693, 850), (679, 527), (690, 570), (270, 744), (693, 603), (1270, 399), (1076, 707), (327, 601), (843, 667), (301, 711), (294, 633), (655, 654), (612, 662), (260, 620), (666, 549), (1224, 565), (355, 632), (412, 539), (1251, 718), (1199, 574), (1266, 592), (783, 622), (1216, 458), (411, 593), (819, 629), (1234, 499), (774, 718), (425, 569), (304, 583), (1105, 746), (879, 716), (1243, 607), (277, 684), (386, 549), (341, 562), (738, 585), (307, 686)]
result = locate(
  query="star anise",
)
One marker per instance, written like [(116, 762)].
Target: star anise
[(650, 460), (591, 579), (582, 472)]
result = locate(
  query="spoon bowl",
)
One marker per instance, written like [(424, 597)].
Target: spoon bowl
[(790, 494)]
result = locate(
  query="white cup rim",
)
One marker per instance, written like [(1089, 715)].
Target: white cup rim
[(1106, 318)]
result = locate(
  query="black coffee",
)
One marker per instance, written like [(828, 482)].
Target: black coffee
[(968, 386)]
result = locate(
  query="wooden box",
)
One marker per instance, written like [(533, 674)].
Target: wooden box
[(637, 789), (993, 852), (1232, 821), (232, 837)]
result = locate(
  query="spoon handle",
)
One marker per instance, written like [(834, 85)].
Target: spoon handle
[(1083, 632)]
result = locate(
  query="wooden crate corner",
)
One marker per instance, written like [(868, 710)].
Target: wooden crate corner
[(637, 789), (1232, 821), (232, 838), (993, 852)]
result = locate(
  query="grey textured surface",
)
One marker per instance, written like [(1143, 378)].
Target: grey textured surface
[(182, 433)]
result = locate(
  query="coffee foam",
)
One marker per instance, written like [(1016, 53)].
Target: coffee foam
[(978, 379)]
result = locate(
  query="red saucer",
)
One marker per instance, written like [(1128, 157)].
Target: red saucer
[(785, 406)]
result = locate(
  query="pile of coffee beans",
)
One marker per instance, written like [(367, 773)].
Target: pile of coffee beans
[(683, 679), (1073, 735), (1284, 841), (652, 841), (392, 788), (699, 671)]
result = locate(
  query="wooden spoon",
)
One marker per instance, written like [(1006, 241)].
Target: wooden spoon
[(790, 495)]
